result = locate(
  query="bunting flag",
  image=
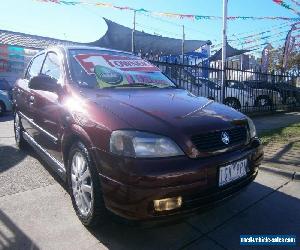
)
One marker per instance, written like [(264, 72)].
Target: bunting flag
[(172, 15), (262, 44), (296, 2), (255, 46), (268, 31), (287, 47), (260, 36), (285, 5)]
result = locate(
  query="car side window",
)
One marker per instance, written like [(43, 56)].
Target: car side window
[(51, 66), (35, 66)]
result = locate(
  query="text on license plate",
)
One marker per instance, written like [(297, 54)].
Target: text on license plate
[(232, 172)]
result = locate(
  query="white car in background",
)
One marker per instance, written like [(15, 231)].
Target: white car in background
[(235, 96), (264, 94)]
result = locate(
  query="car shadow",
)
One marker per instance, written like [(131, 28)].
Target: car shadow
[(6, 117), (275, 211), (47, 167), (15, 154), (257, 210), (256, 201)]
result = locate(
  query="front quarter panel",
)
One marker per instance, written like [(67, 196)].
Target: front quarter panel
[(91, 123)]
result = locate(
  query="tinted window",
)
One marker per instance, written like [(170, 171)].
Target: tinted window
[(109, 69), (35, 66), (51, 66)]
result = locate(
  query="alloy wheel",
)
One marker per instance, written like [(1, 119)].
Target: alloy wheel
[(232, 103), (17, 128), (262, 102), (291, 100), (82, 185)]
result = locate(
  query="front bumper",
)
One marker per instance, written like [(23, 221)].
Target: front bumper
[(131, 194)]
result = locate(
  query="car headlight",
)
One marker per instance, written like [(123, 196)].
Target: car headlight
[(142, 144), (252, 129)]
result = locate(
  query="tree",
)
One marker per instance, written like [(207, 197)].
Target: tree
[(276, 61)]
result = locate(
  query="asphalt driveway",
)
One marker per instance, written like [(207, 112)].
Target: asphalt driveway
[(36, 212)]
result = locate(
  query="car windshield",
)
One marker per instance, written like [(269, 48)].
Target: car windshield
[(108, 69), (210, 84)]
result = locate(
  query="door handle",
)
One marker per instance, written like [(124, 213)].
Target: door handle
[(31, 99)]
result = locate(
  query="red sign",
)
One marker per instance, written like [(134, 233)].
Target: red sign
[(124, 63)]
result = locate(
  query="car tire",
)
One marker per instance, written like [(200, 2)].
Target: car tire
[(18, 130), (263, 101), (84, 187), (2, 108), (233, 103), (291, 101)]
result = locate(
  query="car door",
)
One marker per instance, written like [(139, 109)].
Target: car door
[(23, 97), (47, 109)]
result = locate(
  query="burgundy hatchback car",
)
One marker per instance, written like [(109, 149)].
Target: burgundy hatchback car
[(127, 139)]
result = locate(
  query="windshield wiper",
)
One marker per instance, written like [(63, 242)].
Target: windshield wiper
[(137, 84)]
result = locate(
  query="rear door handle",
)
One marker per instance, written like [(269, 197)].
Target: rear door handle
[(31, 99)]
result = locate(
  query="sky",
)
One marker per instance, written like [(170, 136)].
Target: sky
[(84, 23)]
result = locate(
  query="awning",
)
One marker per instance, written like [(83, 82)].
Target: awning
[(230, 51), (119, 37)]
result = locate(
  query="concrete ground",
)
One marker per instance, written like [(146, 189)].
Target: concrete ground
[(36, 212), (275, 121), (284, 155)]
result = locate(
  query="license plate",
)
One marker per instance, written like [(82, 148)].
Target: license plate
[(232, 172)]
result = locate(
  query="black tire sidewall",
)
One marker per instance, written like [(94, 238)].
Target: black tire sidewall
[(3, 108), (21, 143), (91, 219), (234, 102), (267, 101)]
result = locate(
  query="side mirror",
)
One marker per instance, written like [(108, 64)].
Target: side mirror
[(43, 82)]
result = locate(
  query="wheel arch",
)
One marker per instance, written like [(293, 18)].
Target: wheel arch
[(265, 97), (76, 134), (233, 98)]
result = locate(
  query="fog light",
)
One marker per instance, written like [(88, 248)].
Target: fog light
[(167, 204)]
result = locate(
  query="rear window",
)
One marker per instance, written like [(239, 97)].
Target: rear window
[(104, 69)]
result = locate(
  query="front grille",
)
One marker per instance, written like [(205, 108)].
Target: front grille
[(212, 141)]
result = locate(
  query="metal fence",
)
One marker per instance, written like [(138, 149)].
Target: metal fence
[(245, 90)]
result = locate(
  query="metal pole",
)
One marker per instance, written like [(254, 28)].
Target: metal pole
[(224, 43), (132, 35), (182, 45)]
